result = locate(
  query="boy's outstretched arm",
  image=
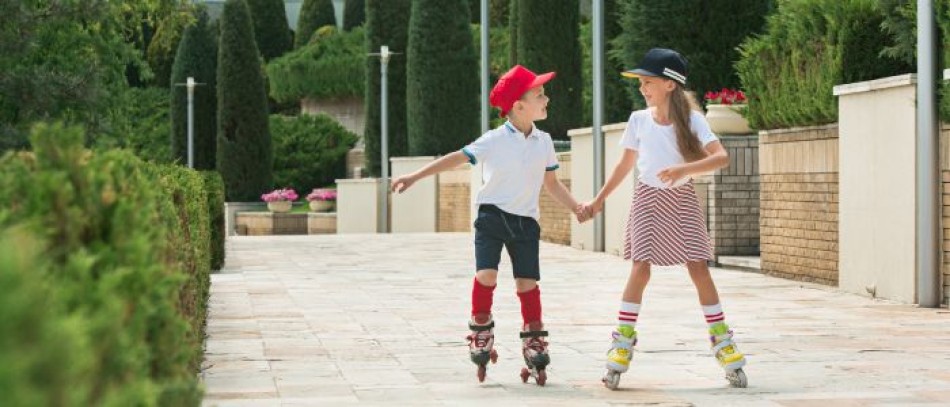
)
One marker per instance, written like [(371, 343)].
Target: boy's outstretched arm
[(560, 193), (446, 162), (621, 170)]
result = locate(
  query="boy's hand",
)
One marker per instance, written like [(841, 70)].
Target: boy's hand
[(402, 183), (582, 213), (670, 175)]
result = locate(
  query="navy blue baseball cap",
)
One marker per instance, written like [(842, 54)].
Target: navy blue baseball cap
[(660, 62)]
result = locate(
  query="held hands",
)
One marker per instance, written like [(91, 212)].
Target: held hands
[(587, 210), (670, 175), (402, 183)]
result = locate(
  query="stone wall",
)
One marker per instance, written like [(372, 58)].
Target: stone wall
[(799, 203), (733, 199), (270, 223)]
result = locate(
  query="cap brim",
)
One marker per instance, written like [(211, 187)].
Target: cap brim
[(542, 79), (636, 73)]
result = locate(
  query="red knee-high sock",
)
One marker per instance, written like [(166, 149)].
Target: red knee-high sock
[(531, 305), (481, 299)]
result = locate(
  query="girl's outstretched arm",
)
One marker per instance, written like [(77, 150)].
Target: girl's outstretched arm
[(447, 162), (621, 170)]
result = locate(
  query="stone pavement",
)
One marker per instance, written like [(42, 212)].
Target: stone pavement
[(381, 320)]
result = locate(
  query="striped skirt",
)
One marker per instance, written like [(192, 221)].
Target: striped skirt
[(666, 226)]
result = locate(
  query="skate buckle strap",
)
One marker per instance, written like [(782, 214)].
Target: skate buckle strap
[(533, 334), (479, 328), (722, 344)]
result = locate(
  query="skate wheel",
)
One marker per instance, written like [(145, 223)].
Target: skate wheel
[(493, 356), (525, 374), (737, 378), (481, 373), (541, 378), (611, 380)]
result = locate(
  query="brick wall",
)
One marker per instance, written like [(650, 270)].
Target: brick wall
[(454, 200), (799, 203), (733, 199), (945, 177), (555, 218)]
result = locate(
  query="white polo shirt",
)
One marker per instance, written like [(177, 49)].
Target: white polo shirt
[(513, 167), (656, 144)]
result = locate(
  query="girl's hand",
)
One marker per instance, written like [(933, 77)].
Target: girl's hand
[(670, 175), (402, 183)]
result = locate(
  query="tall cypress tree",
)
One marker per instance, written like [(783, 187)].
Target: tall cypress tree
[(617, 102), (548, 40), (442, 78), (313, 15), (387, 23), (706, 32), (196, 57), (270, 27), (513, 14), (354, 14), (244, 155)]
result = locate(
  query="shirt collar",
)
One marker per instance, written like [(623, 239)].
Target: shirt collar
[(514, 130)]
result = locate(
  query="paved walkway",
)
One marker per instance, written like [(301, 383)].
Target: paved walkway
[(380, 320)]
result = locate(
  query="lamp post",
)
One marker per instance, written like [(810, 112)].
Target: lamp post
[(190, 86), (382, 225)]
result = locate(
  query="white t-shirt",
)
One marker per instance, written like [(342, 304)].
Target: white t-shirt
[(513, 168), (656, 144)]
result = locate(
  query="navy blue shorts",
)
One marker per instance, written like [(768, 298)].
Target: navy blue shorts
[(520, 235)]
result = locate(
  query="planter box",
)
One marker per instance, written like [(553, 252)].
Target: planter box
[(271, 223)]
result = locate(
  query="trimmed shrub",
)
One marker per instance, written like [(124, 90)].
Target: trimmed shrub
[(271, 31), (313, 15), (309, 151), (810, 46), (197, 57), (244, 152), (330, 66), (125, 271), (548, 40), (442, 78), (387, 23), (214, 187)]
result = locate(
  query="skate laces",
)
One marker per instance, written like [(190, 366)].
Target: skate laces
[(480, 339), (536, 344)]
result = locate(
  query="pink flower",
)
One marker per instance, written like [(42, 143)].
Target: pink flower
[(286, 194), (322, 194)]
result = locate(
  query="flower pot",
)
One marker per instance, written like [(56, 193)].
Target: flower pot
[(726, 119), (280, 206), (322, 206)]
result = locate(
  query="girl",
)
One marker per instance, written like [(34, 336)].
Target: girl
[(668, 142), (518, 159)]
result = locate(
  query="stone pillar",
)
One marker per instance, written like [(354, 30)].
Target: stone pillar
[(733, 199)]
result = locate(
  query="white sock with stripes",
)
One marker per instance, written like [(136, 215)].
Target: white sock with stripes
[(629, 311), (713, 314)]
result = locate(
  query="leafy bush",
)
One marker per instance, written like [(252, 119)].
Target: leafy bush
[(810, 46), (332, 65), (309, 151), (214, 187), (313, 15), (138, 122), (122, 283)]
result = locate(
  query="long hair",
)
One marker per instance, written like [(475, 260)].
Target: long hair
[(681, 105)]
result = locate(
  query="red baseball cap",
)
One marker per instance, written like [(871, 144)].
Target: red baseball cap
[(513, 84)]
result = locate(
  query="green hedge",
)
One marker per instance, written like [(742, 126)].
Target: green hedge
[(309, 151), (214, 187), (330, 66), (104, 270), (139, 121), (809, 47)]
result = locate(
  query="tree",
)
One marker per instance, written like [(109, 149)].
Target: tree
[(196, 57), (57, 66), (270, 27), (313, 15), (705, 32), (548, 40), (354, 14), (617, 103), (513, 32), (244, 154), (442, 78), (387, 23)]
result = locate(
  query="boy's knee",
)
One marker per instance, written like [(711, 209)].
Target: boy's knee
[(525, 284), (487, 277)]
